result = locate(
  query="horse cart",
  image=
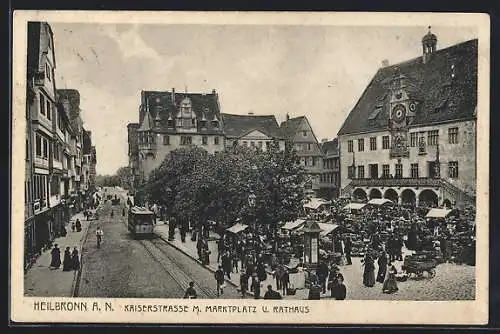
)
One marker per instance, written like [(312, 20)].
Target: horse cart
[(418, 264)]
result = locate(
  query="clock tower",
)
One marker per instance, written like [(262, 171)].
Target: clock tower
[(401, 114)]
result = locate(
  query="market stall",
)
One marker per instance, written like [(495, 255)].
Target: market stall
[(354, 207), (438, 213), (316, 204), (380, 201)]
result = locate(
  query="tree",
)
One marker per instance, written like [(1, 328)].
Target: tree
[(201, 187)]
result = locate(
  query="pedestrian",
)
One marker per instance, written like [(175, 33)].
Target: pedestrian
[(256, 285), (382, 267), (244, 283), (219, 279), (443, 246), (348, 250), (99, 234), (190, 292), (234, 259), (75, 259), (112, 214), (285, 281), (261, 271), (63, 231), (339, 290), (227, 264), (271, 294), (78, 225), (369, 270), (55, 262), (314, 289), (123, 212), (73, 226), (390, 284), (322, 272), (278, 274), (220, 249), (67, 262)]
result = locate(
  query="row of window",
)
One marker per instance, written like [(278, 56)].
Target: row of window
[(416, 139), (40, 188), (189, 123), (398, 168), (304, 146), (46, 109), (331, 163), (332, 178)]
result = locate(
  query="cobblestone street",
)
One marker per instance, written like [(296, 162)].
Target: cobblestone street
[(125, 267)]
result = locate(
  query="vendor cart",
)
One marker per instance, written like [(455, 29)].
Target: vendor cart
[(418, 264)]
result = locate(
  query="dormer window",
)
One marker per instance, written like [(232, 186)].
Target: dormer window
[(47, 71), (215, 122), (170, 121)]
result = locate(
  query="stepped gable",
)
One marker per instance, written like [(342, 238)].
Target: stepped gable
[(236, 126), (443, 97)]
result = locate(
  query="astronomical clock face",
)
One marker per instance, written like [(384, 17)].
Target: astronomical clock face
[(399, 113)]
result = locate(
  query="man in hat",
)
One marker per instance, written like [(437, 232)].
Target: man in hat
[(271, 294), (219, 279)]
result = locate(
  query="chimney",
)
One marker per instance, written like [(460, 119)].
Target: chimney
[(213, 91), (324, 140), (173, 96), (385, 63), (287, 117), (250, 112)]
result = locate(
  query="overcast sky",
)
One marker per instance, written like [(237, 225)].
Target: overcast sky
[(317, 71)]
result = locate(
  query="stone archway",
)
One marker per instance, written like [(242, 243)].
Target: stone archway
[(359, 194), (392, 195), (428, 198), (408, 197), (375, 193)]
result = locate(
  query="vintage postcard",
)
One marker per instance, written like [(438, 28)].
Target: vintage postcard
[(246, 167)]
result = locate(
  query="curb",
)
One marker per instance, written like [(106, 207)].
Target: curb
[(193, 258), (78, 274)]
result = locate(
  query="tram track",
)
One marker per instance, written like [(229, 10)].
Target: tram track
[(172, 269)]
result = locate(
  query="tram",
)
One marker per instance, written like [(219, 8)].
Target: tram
[(140, 222)]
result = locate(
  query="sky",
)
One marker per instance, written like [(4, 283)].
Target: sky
[(316, 71)]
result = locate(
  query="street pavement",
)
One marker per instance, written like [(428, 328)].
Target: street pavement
[(452, 282), (126, 267), (42, 281)]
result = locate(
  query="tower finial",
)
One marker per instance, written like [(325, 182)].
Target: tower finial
[(429, 28)]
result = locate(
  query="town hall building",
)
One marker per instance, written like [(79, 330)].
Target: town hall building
[(411, 137)]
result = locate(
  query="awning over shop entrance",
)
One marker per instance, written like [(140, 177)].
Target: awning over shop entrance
[(237, 228), (315, 203), (380, 201), (437, 213), (354, 206), (327, 228), (293, 224)]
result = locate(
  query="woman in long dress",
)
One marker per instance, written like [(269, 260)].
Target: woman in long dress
[(382, 267), (75, 259), (390, 284), (68, 262), (55, 262), (369, 271)]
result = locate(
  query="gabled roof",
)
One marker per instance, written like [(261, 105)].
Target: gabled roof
[(165, 105), (237, 126), (442, 97), (330, 147), (147, 123), (289, 127)]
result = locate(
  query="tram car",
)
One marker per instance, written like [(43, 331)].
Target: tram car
[(140, 222)]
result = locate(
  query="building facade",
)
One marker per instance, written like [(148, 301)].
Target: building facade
[(259, 131), (299, 133), (171, 120), (52, 146), (330, 178), (411, 137)]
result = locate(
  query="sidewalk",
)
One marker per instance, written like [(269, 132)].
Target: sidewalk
[(41, 281), (189, 249)]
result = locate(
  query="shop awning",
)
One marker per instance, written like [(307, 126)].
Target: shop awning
[(293, 224), (315, 203), (379, 201), (327, 228), (354, 206), (437, 213), (237, 228)]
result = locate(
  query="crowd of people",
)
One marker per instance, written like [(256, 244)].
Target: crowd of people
[(71, 260)]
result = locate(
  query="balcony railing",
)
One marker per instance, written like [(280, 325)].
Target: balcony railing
[(397, 182), (147, 146)]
